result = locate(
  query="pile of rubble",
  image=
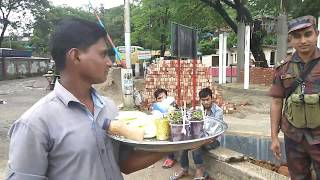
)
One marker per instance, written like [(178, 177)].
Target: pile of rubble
[(281, 169), (164, 74)]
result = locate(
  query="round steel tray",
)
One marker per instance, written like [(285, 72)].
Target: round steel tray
[(169, 146)]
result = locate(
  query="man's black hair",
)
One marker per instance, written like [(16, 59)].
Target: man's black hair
[(159, 91), (73, 33), (205, 93)]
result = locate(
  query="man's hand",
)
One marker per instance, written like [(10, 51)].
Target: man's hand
[(275, 148)]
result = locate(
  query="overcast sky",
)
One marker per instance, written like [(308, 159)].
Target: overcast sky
[(80, 3)]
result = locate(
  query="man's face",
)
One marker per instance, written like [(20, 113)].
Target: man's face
[(95, 62), (304, 40), (161, 97), (207, 102)]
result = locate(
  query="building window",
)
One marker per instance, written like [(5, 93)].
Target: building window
[(272, 57), (212, 61)]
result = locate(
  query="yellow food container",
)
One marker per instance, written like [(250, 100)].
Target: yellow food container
[(163, 129)]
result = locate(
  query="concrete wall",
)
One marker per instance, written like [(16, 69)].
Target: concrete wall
[(16, 67)]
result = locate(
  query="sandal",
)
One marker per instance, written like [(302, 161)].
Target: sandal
[(179, 175), (204, 177), (168, 163)]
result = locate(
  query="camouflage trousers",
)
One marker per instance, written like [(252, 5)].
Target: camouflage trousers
[(301, 158)]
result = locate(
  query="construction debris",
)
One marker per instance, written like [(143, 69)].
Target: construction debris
[(281, 169), (228, 108)]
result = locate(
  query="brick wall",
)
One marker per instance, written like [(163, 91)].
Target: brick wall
[(259, 75), (164, 75)]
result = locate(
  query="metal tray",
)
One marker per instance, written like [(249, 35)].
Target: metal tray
[(154, 145)]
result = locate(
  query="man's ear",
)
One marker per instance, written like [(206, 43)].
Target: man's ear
[(73, 55)]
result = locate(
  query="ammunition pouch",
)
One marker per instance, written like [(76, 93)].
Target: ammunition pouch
[(303, 110)]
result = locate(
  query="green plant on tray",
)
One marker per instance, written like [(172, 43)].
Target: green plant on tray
[(175, 117), (197, 115)]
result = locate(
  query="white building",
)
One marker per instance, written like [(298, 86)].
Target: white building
[(269, 52)]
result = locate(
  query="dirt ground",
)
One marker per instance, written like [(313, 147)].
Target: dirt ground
[(22, 93)]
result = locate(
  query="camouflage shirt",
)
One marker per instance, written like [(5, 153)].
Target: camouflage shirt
[(283, 77)]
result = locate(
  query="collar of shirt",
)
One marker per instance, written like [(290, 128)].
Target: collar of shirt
[(97, 99), (213, 108), (66, 97), (296, 58)]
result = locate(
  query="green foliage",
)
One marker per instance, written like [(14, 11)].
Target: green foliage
[(270, 39), (150, 20), (293, 8), (13, 14), (176, 117), (208, 47), (232, 40), (46, 20), (14, 45), (260, 8), (197, 115), (114, 23), (307, 7)]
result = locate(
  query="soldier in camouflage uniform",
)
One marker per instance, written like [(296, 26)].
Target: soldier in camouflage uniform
[(298, 114)]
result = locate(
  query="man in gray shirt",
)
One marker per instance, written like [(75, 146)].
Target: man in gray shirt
[(63, 136)]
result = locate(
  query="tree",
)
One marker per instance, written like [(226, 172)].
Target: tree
[(9, 7), (306, 7), (151, 22), (46, 20), (243, 15), (114, 23), (150, 19)]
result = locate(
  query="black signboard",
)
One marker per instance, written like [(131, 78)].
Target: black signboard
[(183, 41)]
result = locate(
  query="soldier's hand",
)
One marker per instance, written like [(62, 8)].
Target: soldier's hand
[(275, 148)]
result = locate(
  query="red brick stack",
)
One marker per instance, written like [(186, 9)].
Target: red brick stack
[(164, 75)]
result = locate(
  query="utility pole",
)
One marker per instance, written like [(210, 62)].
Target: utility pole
[(282, 34), (319, 30), (126, 74), (127, 32), (222, 57), (240, 44), (10, 41), (246, 73)]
